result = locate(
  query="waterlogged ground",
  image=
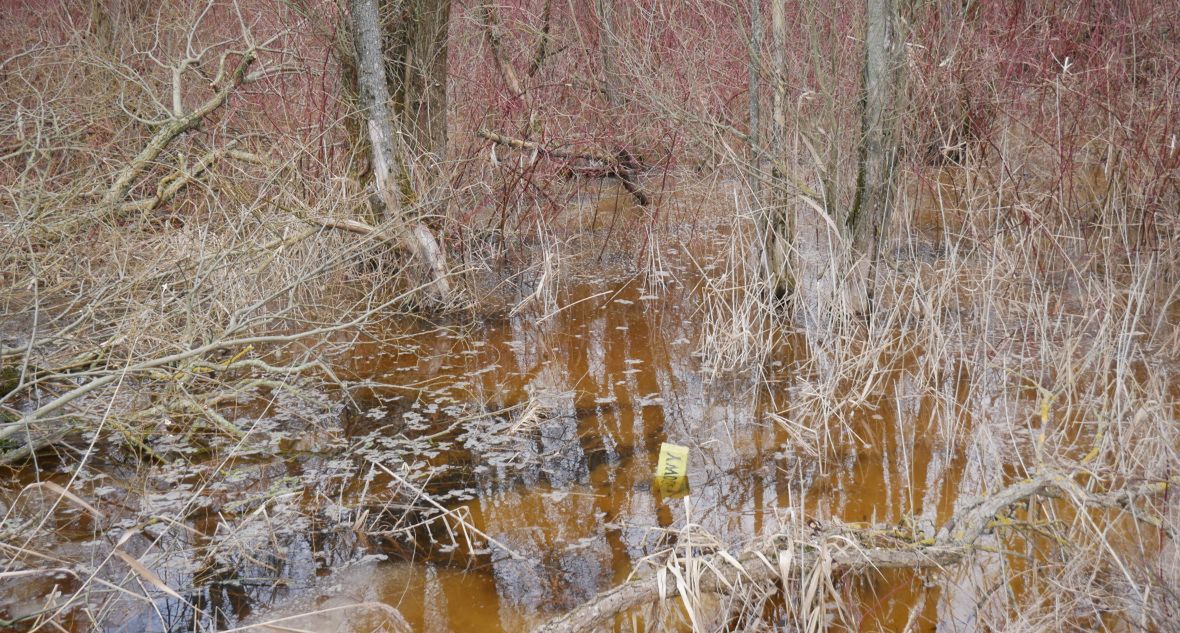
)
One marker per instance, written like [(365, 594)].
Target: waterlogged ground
[(536, 434)]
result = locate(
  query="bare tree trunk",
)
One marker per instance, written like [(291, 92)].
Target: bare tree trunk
[(388, 166), (543, 40), (373, 95), (868, 220), (494, 31), (101, 26), (415, 53), (780, 229), (775, 253), (755, 58), (426, 77), (606, 47)]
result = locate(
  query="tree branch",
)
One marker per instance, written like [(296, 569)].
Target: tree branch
[(176, 126), (494, 31), (622, 165), (954, 543)]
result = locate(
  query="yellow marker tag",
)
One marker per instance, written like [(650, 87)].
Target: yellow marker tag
[(672, 470)]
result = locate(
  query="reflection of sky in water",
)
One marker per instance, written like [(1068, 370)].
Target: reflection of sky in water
[(615, 376), (569, 492)]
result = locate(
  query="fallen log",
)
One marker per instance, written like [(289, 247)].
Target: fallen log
[(762, 563)]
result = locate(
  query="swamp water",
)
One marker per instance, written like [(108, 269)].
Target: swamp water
[(539, 434)]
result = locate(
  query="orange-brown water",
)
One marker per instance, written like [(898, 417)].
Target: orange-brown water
[(542, 432), (569, 500)]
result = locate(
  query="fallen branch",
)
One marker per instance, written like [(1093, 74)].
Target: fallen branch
[(34, 444), (350, 226), (622, 165), (953, 544), (31, 418), (177, 123), (174, 127), (533, 146), (170, 185)]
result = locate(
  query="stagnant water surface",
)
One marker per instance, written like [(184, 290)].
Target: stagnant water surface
[(542, 430), (564, 489)]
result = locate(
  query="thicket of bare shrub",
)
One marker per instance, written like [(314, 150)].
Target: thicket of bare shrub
[(185, 222)]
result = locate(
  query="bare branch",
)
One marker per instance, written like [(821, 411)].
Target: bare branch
[(494, 31), (955, 542), (172, 129)]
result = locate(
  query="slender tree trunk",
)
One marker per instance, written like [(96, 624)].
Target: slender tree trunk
[(755, 59), (426, 76), (373, 97), (388, 166), (494, 31), (778, 34), (415, 53), (769, 217), (869, 218), (780, 230), (606, 47), (543, 40), (626, 166)]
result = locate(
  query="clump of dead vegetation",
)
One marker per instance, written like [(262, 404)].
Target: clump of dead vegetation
[(186, 239), (1031, 282), (169, 225), (181, 250)]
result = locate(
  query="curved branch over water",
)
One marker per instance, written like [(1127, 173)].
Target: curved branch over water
[(955, 543)]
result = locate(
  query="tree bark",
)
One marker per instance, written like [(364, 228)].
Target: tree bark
[(373, 95), (425, 77), (416, 53), (754, 90), (872, 207), (495, 36), (543, 40), (388, 166), (779, 230), (606, 48)]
